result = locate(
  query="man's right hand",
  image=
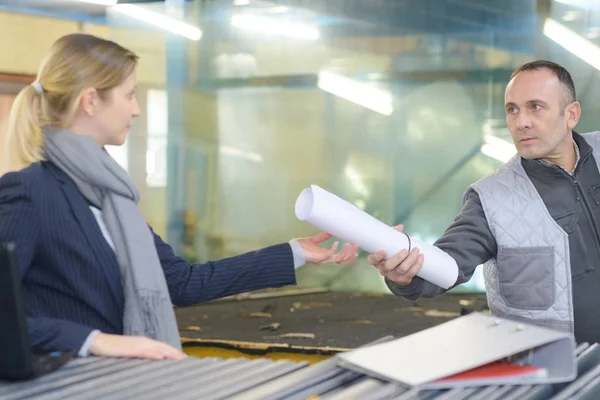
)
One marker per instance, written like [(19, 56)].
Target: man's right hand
[(107, 345), (401, 268)]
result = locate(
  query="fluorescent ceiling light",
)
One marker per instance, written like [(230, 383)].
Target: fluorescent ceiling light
[(241, 2), (107, 3), (236, 152), (573, 42), (161, 21), (589, 4), (370, 97), (498, 149), (275, 26)]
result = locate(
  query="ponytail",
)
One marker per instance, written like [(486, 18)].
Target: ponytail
[(24, 139)]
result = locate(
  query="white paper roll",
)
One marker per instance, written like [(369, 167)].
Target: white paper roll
[(336, 216)]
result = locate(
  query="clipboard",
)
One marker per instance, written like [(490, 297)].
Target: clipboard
[(432, 358)]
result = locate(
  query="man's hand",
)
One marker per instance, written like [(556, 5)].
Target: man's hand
[(107, 345), (400, 268), (318, 255)]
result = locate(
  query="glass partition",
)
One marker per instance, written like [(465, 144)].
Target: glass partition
[(396, 106)]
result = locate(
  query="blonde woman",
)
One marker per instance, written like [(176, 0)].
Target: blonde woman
[(96, 278)]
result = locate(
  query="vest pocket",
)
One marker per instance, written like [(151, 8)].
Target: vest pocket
[(526, 276), (567, 221)]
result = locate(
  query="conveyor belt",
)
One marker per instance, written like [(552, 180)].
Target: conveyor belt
[(264, 379)]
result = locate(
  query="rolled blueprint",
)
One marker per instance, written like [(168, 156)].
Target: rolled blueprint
[(336, 216)]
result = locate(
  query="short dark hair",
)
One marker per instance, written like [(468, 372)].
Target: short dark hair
[(561, 73)]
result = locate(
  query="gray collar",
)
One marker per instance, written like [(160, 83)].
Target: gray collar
[(577, 158)]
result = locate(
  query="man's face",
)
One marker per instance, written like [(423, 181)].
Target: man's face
[(539, 114)]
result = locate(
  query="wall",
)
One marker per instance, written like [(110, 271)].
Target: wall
[(36, 35), (6, 101)]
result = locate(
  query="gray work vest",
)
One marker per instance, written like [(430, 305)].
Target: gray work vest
[(530, 277)]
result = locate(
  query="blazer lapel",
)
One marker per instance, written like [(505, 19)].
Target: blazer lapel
[(104, 254)]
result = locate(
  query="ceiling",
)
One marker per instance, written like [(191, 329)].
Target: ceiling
[(506, 24), (68, 9)]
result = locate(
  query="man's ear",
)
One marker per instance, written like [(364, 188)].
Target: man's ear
[(573, 113), (90, 101)]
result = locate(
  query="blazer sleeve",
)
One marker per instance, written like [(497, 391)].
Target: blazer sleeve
[(191, 284), (20, 224)]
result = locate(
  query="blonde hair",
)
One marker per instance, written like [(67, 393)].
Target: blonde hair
[(74, 63)]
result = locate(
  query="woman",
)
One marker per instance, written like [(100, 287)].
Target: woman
[(96, 278)]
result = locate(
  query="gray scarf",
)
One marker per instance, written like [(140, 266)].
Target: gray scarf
[(105, 185)]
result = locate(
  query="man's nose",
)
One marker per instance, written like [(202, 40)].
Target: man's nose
[(523, 121)]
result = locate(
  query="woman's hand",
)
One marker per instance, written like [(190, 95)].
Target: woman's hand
[(321, 256), (133, 347)]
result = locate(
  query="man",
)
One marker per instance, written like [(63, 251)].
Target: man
[(535, 222)]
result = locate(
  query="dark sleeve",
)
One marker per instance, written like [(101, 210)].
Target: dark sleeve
[(191, 284), (51, 334), (19, 223), (468, 240)]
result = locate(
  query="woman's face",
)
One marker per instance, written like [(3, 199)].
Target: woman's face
[(114, 116)]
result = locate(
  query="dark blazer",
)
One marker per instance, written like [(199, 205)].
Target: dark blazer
[(71, 278)]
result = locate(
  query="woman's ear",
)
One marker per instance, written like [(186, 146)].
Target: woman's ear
[(90, 101)]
